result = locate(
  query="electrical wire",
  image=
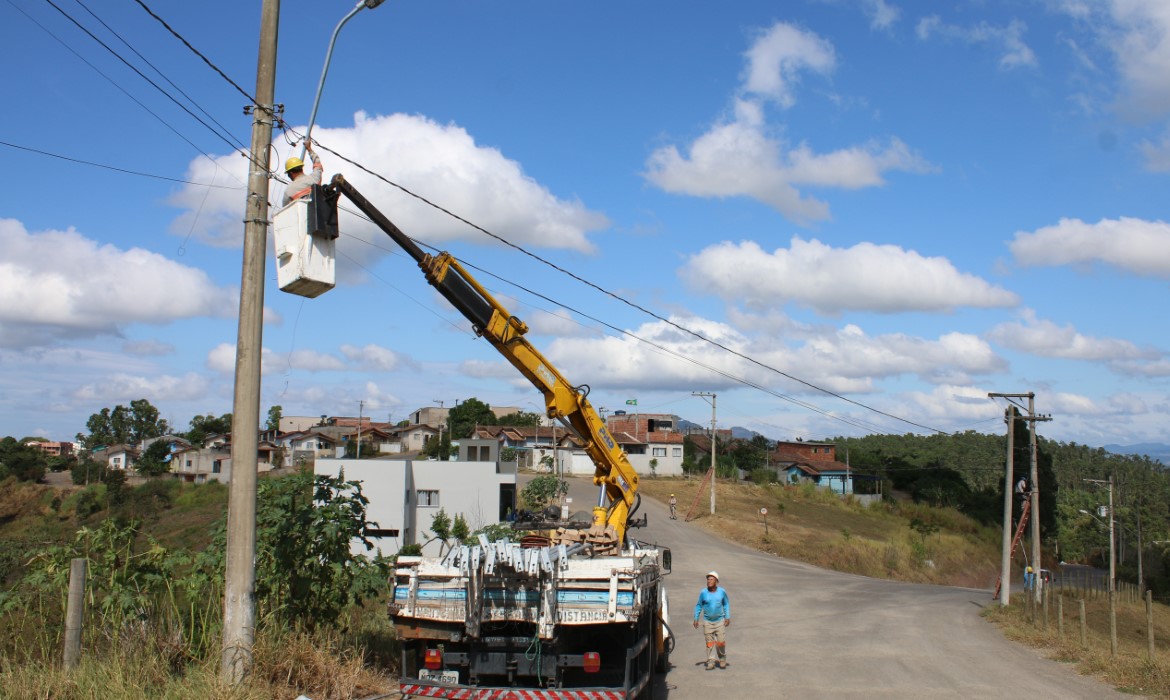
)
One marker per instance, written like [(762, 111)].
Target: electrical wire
[(153, 67), (195, 51), (632, 304), (226, 139), (116, 169)]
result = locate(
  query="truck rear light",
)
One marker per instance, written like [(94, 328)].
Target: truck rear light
[(592, 662), (433, 659)]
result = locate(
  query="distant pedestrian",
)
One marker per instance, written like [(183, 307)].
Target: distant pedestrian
[(715, 608), (673, 507), (1029, 579)]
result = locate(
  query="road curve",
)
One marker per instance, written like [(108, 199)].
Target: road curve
[(802, 632)]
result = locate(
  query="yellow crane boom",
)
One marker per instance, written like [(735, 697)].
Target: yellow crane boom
[(563, 401)]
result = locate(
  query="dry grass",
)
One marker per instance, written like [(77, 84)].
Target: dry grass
[(1131, 670), (823, 529), (321, 666)]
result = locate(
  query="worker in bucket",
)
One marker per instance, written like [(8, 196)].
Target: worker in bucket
[(300, 183), (715, 608)]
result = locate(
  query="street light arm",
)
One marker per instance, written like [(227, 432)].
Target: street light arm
[(362, 4)]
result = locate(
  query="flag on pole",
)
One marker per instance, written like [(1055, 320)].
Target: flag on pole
[(631, 402)]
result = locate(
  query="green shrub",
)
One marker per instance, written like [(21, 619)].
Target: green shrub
[(195, 495), (762, 476)]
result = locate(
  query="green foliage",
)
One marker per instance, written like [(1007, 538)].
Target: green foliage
[(495, 532), (115, 481), (22, 461), (87, 471), (448, 532), (122, 425), (203, 427), (274, 415), (654, 467), (520, 419), (438, 448), (508, 454), (542, 491), (462, 419), (762, 476), (155, 459)]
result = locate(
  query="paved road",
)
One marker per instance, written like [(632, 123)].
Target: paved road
[(802, 632)]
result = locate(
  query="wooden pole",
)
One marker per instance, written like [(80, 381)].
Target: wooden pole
[(1084, 632), (1150, 624), (1113, 623), (1060, 615), (74, 613)]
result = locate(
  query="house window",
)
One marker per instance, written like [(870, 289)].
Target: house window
[(216, 466), (676, 452), (659, 451), (428, 497)]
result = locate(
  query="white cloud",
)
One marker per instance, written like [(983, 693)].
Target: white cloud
[(742, 157), (1141, 41), (558, 323), (123, 388), (373, 357), (778, 57), (1135, 245), (1047, 339), (739, 159), (844, 360), (1157, 155), (148, 348), (882, 15), (865, 277), (92, 289), (1007, 40), (441, 163)]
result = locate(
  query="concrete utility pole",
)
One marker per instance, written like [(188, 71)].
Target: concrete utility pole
[(706, 394), (1112, 556), (1034, 484), (1005, 594), (239, 605), (361, 405)]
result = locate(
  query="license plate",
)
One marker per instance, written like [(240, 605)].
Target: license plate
[(450, 677)]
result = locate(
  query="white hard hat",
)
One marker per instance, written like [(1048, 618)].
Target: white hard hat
[(714, 573)]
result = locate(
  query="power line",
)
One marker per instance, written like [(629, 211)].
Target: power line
[(196, 52), (226, 139), (153, 67), (632, 304), (120, 170), (111, 81)]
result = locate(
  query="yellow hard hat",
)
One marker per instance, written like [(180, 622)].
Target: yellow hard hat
[(293, 163), (672, 494), (1029, 569)]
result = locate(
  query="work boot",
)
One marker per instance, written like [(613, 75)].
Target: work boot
[(710, 665), (722, 663)]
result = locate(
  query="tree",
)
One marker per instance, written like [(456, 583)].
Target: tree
[(519, 419), (19, 460), (462, 419), (155, 460), (122, 425), (274, 415), (204, 426), (541, 491)]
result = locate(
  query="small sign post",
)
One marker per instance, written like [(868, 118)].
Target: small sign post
[(764, 513)]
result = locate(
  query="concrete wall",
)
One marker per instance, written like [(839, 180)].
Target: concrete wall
[(393, 488)]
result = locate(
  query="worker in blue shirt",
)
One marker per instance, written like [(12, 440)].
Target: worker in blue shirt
[(715, 608)]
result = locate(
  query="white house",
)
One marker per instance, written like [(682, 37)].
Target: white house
[(405, 495)]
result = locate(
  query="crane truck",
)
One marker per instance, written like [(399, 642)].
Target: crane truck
[(576, 610)]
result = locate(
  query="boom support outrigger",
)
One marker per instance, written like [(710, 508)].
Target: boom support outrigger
[(564, 402)]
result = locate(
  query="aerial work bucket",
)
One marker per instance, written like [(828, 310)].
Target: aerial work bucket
[(306, 233)]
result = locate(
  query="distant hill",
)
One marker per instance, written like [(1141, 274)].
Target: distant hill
[(1159, 451), (736, 432)]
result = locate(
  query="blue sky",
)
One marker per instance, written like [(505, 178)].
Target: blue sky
[(905, 204)]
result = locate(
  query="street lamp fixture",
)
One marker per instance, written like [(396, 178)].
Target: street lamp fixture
[(362, 4)]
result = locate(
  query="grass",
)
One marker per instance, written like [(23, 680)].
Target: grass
[(818, 527), (1131, 670)]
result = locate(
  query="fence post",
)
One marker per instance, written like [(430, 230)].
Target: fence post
[(1084, 633), (1150, 624), (1113, 623), (1060, 615), (1047, 597), (74, 612)]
